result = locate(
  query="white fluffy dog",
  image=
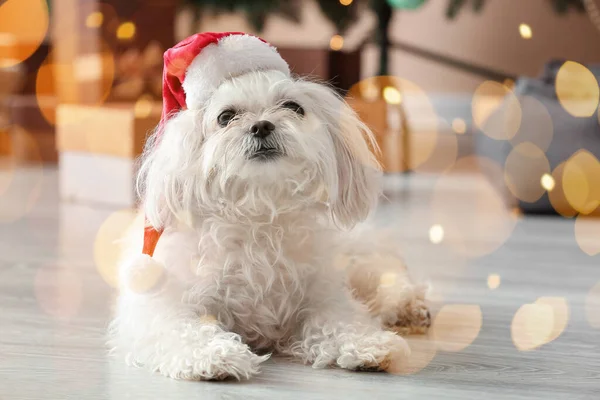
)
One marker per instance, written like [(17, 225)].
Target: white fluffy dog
[(255, 191)]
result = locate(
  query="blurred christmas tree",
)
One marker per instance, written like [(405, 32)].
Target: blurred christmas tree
[(560, 6), (343, 13)]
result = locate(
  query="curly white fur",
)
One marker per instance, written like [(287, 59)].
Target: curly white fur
[(248, 245)]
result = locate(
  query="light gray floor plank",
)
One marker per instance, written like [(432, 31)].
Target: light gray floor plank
[(55, 306)]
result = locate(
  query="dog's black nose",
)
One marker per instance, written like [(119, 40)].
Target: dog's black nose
[(262, 129)]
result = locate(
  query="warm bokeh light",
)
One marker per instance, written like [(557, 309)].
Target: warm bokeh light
[(346, 2), (23, 27), (445, 149), (496, 110), (525, 166), (560, 310), (436, 234), (94, 20), (548, 182), (532, 326), (493, 281), (577, 89), (539, 323), (581, 181), (557, 195), (126, 30), (386, 120), (525, 31), (422, 351), (19, 196), (368, 90), (592, 306), (587, 234), (336, 43), (85, 80), (459, 126), (456, 326), (476, 221), (59, 291), (143, 107), (388, 279), (392, 95), (108, 243), (536, 124)]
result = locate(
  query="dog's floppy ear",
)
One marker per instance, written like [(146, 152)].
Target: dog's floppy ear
[(168, 168), (358, 172)]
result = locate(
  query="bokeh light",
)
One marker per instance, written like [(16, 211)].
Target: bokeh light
[(143, 107), (336, 43), (493, 281), (108, 249), (346, 2), (459, 126), (557, 195), (580, 181), (587, 234), (525, 166), (456, 326), (392, 95), (94, 20), (548, 182), (388, 279), (496, 110), (436, 234), (536, 124), (477, 221), (422, 351), (525, 31), (532, 326), (86, 80), (560, 310), (445, 149), (592, 306), (577, 89), (126, 30), (539, 323), (386, 119), (23, 28)]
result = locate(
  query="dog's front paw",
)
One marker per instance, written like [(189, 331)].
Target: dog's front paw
[(217, 361), (372, 352), (406, 312)]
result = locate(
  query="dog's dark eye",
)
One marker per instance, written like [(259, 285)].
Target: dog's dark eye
[(225, 117), (295, 107)]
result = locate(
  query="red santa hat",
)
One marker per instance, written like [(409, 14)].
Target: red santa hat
[(195, 67)]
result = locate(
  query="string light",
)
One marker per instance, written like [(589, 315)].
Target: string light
[(436, 234), (336, 43), (392, 95), (126, 30), (493, 281), (94, 20), (525, 31), (547, 182)]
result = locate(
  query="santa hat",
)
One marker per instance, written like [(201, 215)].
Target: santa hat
[(195, 67)]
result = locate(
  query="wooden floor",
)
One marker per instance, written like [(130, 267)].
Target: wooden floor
[(55, 303)]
